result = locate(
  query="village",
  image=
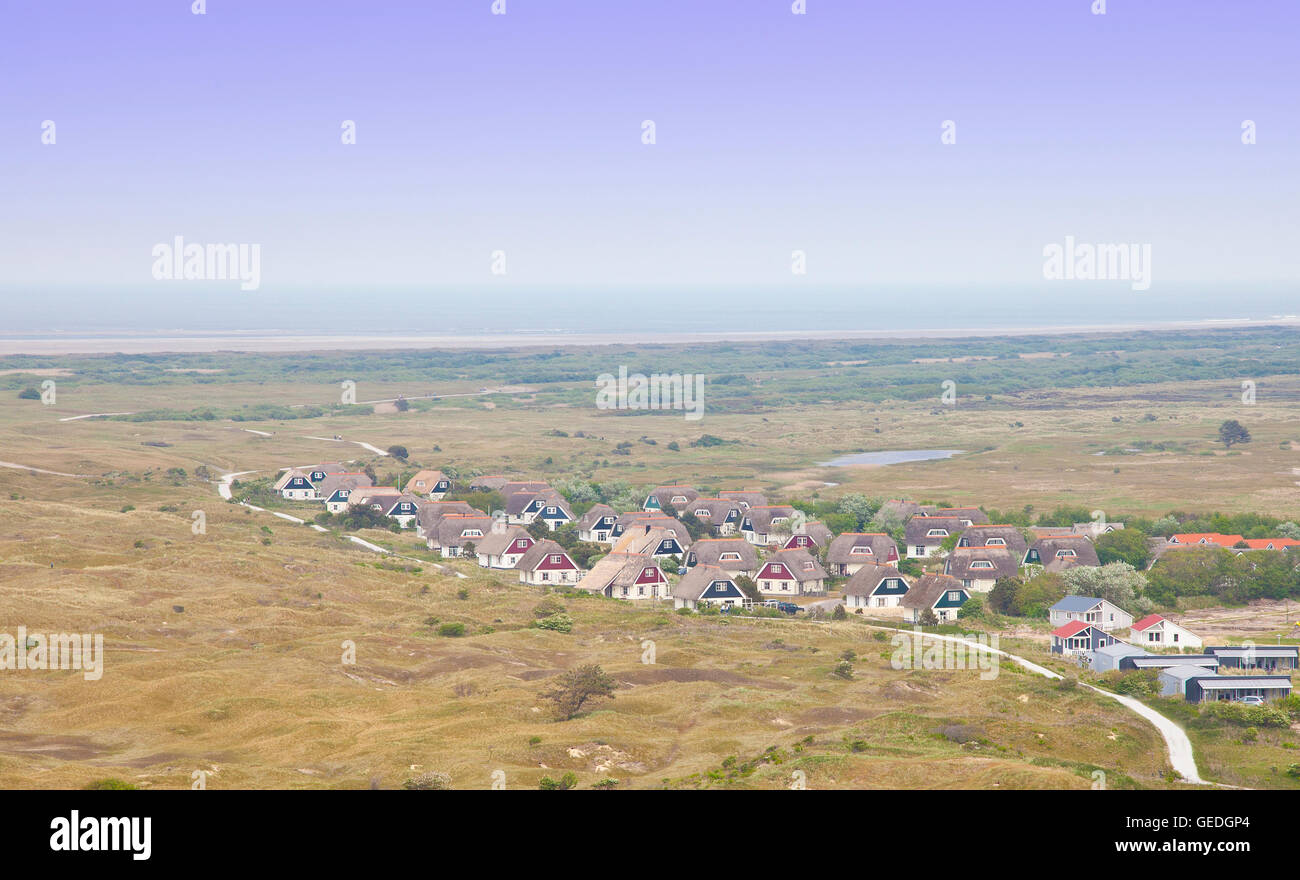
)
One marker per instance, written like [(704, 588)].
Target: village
[(738, 553)]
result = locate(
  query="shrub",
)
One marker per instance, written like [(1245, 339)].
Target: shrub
[(429, 782), (110, 784), (1247, 716), (844, 669), (564, 783), (556, 623), (452, 630), (548, 606)]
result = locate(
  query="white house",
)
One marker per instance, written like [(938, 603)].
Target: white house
[(1089, 609), (1154, 631)]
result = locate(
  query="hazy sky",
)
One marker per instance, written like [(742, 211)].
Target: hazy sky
[(522, 132)]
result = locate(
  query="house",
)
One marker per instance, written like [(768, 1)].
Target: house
[(1165, 661), (898, 508), (1079, 637), (546, 564), (925, 534), (940, 594), (746, 498), (640, 517), (503, 547), (875, 587), (970, 516), (978, 568), (850, 551), (457, 534), (1173, 679), (316, 473), (335, 490), (1096, 528), (527, 505), (1268, 657), (377, 498), (626, 576), (656, 542), (707, 585), (429, 484), (995, 536), (736, 556), (1206, 538), (1211, 687), (1271, 543), (810, 536), (1154, 631), (597, 523), (1089, 609), (1110, 657), (296, 485), (767, 525), (791, 573), (432, 511), (402, 508), (670, 498), (489, 483), (1062, 552), (719, 514)]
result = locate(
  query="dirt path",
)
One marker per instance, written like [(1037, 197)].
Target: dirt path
[(36, 470)]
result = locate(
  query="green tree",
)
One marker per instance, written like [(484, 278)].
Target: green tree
[(1117, 582), (577, 687), (1233, 431), (1124, 545)]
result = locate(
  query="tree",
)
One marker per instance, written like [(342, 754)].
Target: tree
[(402, 404), (576, 687), (1124, 545), (398, 452), (748, 587), (1233, 431), (1118, 583), (29, 393), (858, 506)]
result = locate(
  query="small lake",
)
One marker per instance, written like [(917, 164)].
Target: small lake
[(890, 456)]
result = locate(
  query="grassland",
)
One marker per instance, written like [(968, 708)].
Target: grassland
[(224, 648)]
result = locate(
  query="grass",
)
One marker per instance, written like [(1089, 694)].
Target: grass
[(246, 682)]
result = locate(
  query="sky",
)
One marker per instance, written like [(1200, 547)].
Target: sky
[(520, 135)]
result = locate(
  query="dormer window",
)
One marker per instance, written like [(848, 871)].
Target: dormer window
[(996, 542), (937, 533), (981, 563), (1065, 554), (862, 551)]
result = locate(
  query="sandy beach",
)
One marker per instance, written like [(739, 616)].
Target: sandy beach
[(274, 341)]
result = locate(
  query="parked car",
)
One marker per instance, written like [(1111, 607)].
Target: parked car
[(788, 607), (1251, 700)]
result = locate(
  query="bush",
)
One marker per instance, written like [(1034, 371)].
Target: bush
[(429, 782), (29, 394), (110, 784), (564, 783), (452, 630), (556, 623), (1247, 716), (844, 669)]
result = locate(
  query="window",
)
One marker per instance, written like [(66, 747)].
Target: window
[(1065, 554), (937, 533), (981, 563), (995, 542), (703, 511), (778, 568), (550, 510), (729, 556), (555, 559), (954, 596), (861, 551)]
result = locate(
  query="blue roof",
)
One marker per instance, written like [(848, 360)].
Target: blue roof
[(1121, 649), (1076, 603)]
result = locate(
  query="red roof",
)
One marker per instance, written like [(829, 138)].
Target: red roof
[(1207, 538), (1147, 622), (1262, 543), (1074, 627)]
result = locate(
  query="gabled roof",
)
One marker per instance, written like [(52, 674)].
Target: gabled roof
[(1074, 627), (636, 541), (974, 514), (868, 577), (918, 528), (927, 591), (1077, 603), (1206, 538), (760, 518), (841, 552), (1146, 623), (796, 562), (718, 508), (964, 563), (497, 542), (424, 481), (1048, 548), (708, 551), (538, 552), (619, 569), (697, 580), (594, 515), (978, 536)]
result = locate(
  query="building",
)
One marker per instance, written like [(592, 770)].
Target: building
[(1009, 537), (458, 534), (875, 588), (1111, 656), (1212, 687), (978, 568), (772, 524), (670, 499), (597, 523), (721, 515), (811, 536), (1062, 552), (736, 556), (1078, 637), (1089, 609), (628, 576), (1272, 658), (746, 498), (1173, 679), (660, 543), (336, 489), (970, 516), (1154, 631), (429, 484), (791, 573), (296, 485), (503, 547), (939, 593), (707, 585), (850, 551), (546, 564), (925, 534)]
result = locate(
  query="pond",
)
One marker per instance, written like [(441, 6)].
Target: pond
[(890, 456)]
